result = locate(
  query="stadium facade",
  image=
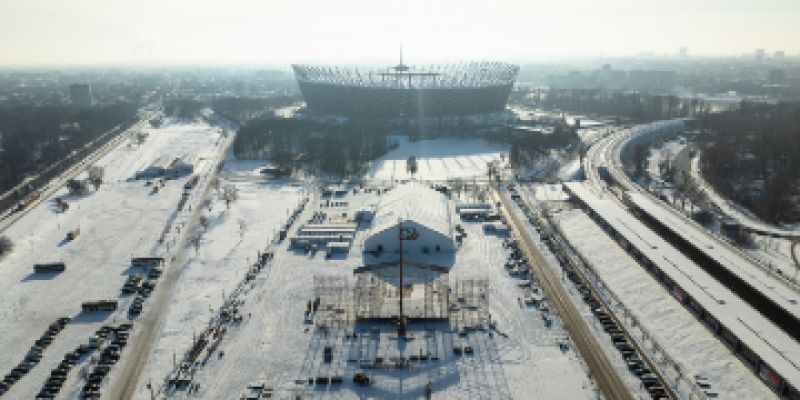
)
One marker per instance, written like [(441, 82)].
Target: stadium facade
[(476, 88)]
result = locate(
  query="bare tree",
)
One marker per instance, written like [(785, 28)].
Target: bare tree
[(96, 175), (6, 245), (140, 137), (229, 194), (204, 222), (195, 238), (242, 227), (76, 187), (411, 165)]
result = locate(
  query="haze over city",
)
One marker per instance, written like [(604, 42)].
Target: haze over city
[(87, 32)]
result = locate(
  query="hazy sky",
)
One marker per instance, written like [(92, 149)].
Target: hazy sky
[(278, 32)]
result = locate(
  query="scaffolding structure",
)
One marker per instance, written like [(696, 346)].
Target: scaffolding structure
[(333, 301), (469, 305), (376, 297)]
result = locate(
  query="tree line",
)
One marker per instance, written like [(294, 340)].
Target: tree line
[(633, 106), (752, 156), (36, 137), (332, 149)]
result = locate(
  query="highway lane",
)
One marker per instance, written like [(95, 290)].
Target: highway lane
[(606, 152), (601, 368)]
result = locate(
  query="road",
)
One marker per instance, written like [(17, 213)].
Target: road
[(606, 152), (603, 371), (150, 322)]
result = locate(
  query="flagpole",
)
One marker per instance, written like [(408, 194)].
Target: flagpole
[(401, 326)]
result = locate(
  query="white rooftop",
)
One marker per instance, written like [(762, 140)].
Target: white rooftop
[(770, 286), (759, 334), (416, 202)]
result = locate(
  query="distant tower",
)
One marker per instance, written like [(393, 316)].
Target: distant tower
[(80, 95), (683, 52), (760, 54), (780, 55)]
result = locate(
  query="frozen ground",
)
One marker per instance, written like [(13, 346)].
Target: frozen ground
[(273, 345), (122, 219), (687, 340), (437, 159)]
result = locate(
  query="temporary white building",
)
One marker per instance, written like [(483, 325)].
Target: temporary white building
[(421, 209), (182, 166), (157, 168)]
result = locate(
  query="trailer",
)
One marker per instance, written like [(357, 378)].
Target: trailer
[(147, 261), (73, 234), (99, 305), (49, 267)]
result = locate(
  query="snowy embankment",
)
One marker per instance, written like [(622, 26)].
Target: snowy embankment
[(686, 339)]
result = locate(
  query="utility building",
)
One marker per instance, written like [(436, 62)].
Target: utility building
[(423, 211)]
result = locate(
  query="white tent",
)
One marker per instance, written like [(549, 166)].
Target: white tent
[(421, 209)]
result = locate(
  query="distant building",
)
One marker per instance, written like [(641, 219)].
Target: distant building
[(182, 166), (157, 168), (683, 52), (169, 167), (80, 95), (780, 55), (760, 54)]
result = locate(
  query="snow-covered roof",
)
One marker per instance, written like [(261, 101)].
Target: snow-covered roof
[(163, 162), (416, 202), (188, 159), (768, 341)]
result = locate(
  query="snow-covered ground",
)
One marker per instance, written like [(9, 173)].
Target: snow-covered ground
[(122, 219), (687, 341), (437, 159), (273, 346), (227, 249)]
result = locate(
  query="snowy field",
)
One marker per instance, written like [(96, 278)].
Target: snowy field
[(275, 347), (687, 341), (437, 159), (120, 220), (227, 249)]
